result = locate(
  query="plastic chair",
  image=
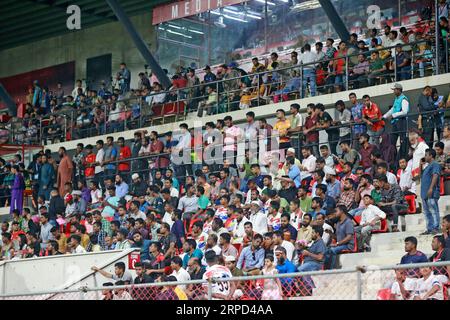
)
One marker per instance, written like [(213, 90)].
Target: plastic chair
[(384, 294), (355, 246), (383, 227), (411, 200)]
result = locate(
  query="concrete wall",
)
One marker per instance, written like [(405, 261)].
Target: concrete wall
[(81, 45), (59, 272)]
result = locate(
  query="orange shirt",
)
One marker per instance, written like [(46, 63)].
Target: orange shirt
[(282, 127), (124, 153), (374, 113)]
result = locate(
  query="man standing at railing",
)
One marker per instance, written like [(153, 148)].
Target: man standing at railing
[(65, 169), (307, 60), (398, 114), (124, 78)]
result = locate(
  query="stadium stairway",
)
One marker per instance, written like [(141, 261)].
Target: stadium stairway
[(388, 248)]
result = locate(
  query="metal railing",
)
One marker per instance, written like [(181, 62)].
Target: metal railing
[(266, 87), (359, 283)]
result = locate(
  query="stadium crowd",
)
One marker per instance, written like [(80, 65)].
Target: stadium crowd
[(258, 217), (52, 115)]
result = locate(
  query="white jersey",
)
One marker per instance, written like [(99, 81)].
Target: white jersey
[(410, 286), (424, 286), (218, 272)]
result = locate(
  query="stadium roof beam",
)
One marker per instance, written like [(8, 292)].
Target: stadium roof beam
[(139, 42), (335, 19)]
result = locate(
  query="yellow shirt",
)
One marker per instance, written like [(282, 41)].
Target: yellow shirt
[(180, 293), (62, 243), (282, 127)]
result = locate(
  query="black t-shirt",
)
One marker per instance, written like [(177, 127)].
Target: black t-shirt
[(443, 256), (198, 275), (327, 118), (144, 279), (289, 194)]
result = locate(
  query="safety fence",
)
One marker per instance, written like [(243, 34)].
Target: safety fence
[(425, 281)]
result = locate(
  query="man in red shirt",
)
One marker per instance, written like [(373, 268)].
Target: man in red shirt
[(89, 164), (311, 135), (365, 151), (373, 117), (157, 148), (124, 153)]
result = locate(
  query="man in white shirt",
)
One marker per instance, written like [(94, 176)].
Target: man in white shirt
[(404, 287), (238, 228), (309, 69), (75, 241), (382, 169), (79, 84), (189, 203), (419, 146), (258, 218), (371, 217), (99, 157), (308, 165), (277, 238), (178, 271), (406, 182)]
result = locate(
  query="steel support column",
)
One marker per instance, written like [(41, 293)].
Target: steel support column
[(335, 19), (140, 43), (6, 98)]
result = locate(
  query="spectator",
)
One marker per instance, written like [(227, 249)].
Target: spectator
[(119, 273), (371, 217), (313, 255), (251, 259), (413, 256), (344, 236), (305, 231), (372, 116), (430, 192), (398, 113)]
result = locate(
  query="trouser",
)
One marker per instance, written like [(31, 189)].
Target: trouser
[(309, 74), (431, 212), (333, 140), (16, 200), (45, 193), (399, 131), (109, 173), (330, 256), (363, 236), (99, 179), (375, 136), (393, 212), (428, 130), (310, 266)]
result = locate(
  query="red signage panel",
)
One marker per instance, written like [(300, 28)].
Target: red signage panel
[(186, 8), (133, 257)]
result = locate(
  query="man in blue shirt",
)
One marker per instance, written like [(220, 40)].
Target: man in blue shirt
[(314, 255), (251, 259), (293, 171), (121, 186), (345, 235), (143, 244), (258, 178), (190, 247), (430, 192), (413, 256), (284, 266)]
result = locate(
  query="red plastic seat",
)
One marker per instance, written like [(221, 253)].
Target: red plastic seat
[(383, 227), (411, 200), (355, 246), (384, 294)]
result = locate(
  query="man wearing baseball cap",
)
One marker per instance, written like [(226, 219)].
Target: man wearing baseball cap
[(209, 76), (398, 113)]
